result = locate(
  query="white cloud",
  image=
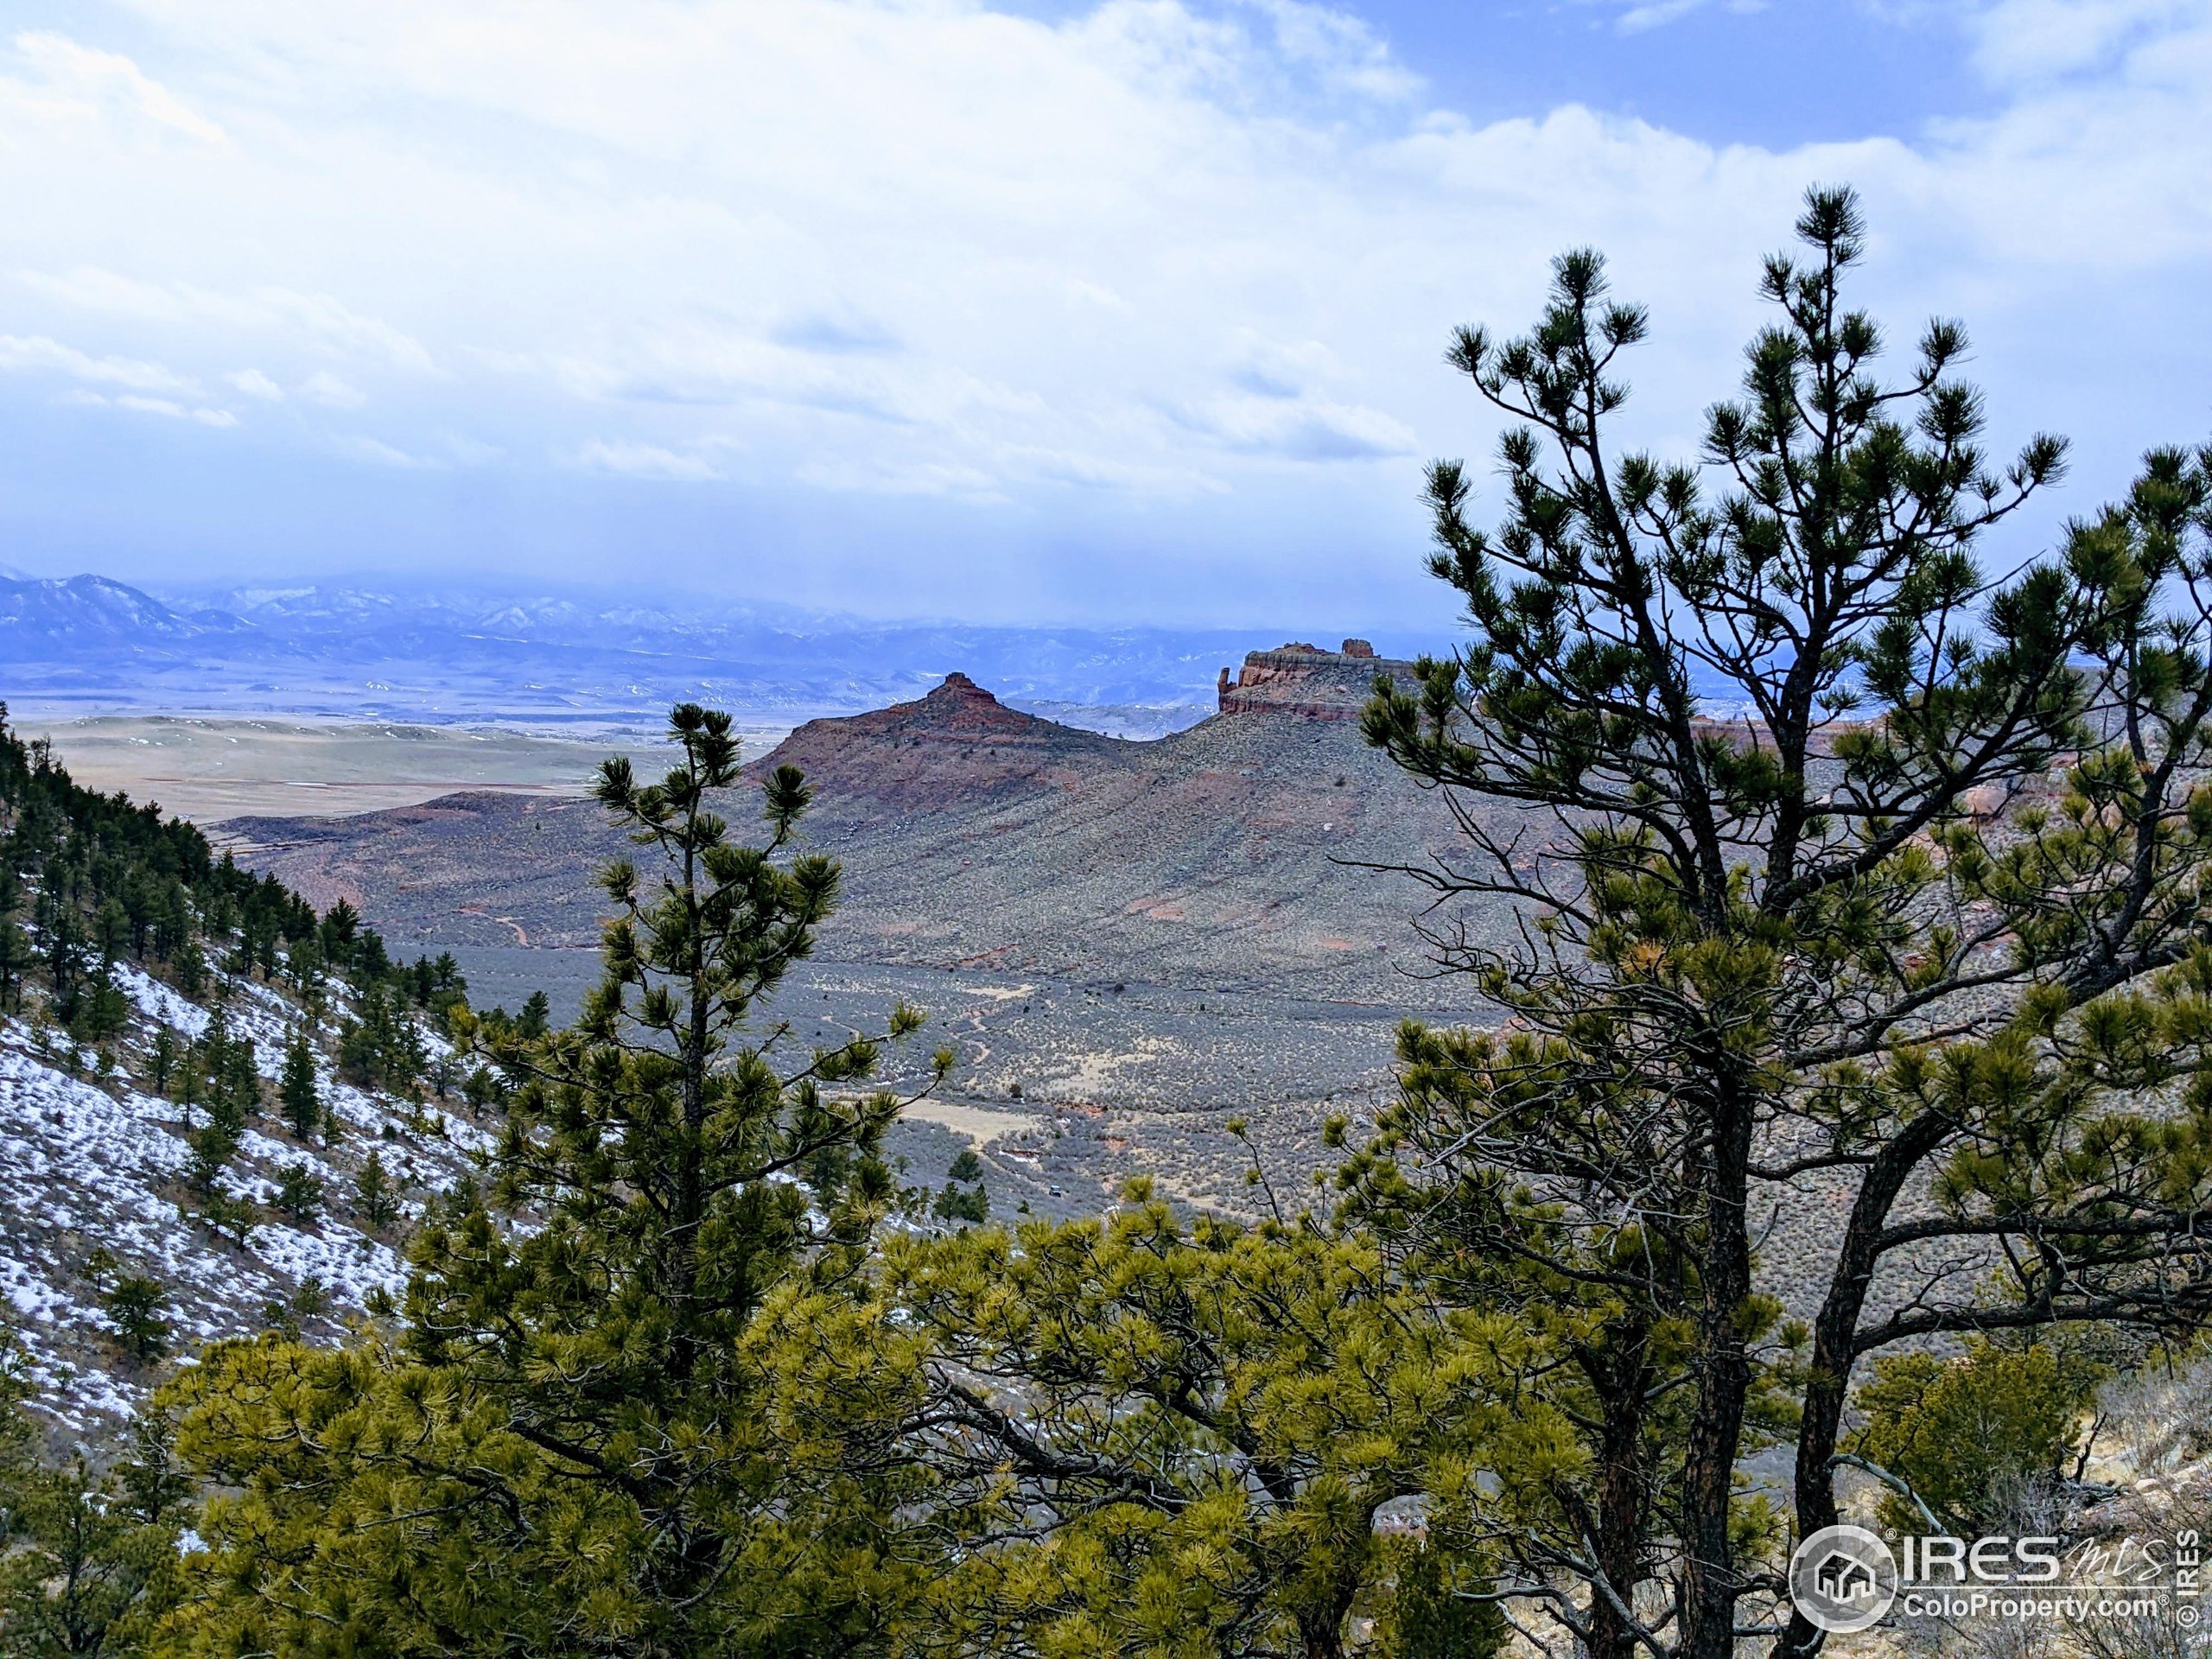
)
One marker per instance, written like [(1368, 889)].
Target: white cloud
[(139, 403), (310, 321), (175, 411), (633, 460), (108, 77), (2029, 40), (36, 353), (1154, 250), (326, 389), (359, 447)]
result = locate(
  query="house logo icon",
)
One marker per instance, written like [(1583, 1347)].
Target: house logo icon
[(1843, 1579)]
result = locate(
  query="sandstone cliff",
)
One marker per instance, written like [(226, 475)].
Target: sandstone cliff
[(1308, 681)]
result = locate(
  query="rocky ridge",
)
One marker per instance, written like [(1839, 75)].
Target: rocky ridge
[(1238, 852)]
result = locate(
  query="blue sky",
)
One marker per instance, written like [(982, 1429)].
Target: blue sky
[(1129, 311)]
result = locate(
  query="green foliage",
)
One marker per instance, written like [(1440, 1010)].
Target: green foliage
[(88, 1557), (1971, 1435), (221, 1075), (299, 1194), (1781, 929), (16, 958), (1438, 1610), (105, 881), (972, 1204), (227, 1213), (161, 1060), (297, 1095), (376, 1195), (1191, 1430), (214, 1143), (133, 1303), (381, 1048), (536, 1017), (668, 1420)]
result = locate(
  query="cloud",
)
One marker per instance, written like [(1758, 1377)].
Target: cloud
[(138, 403), (68, 67), (633, 460), (1136, 258), (312, 321), (2019, 40), (150, 405), (375, 452), (326, 389), (37, 354), (1282, 423)]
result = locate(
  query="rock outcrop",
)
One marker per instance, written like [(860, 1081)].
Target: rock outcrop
[(1307, 681), (958, 743), (1227, 855)]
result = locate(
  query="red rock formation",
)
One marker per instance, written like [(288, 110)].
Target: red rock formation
[(1305, 681), (957, 742)]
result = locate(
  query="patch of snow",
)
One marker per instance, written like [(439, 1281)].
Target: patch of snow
[(159, 1002)]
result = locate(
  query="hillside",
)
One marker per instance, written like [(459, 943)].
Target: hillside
[(1226, 855), (93, 1161), (219, 1110)]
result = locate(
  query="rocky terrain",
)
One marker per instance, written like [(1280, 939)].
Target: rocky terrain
[(1128, 943), (1231, 857)]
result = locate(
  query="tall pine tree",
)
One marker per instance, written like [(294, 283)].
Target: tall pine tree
[(664, 1423), (1855, 878)]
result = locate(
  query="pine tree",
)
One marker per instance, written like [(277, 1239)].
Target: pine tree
[(665, 1421), (1185, 1433), (376, 1199), (295, 1090), (160, 1063), (299, 1194), (189, 964), (133, 1303), (1849, 868), (537, 1016), (16, 957), (229, 1213), (215, 1142), (88, 1558)]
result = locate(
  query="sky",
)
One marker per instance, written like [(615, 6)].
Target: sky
[(1038, 311)]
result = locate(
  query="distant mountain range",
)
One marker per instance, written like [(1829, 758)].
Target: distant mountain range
[(430, 654), (86, 614)]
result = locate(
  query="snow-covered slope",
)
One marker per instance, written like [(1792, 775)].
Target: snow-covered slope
[(89, 1165)]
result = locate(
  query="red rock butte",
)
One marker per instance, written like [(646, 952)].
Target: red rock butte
[(957, 742), (1306, 680)]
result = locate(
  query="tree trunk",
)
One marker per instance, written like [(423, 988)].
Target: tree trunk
[(1710, 1584), (1836, 1335), (690, 1177), (1622, 1521)]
